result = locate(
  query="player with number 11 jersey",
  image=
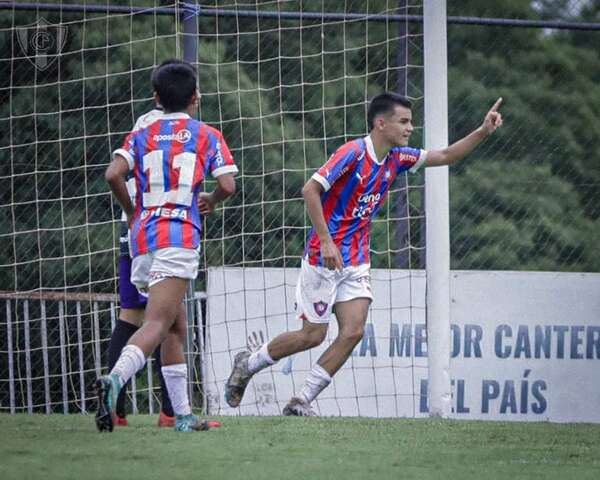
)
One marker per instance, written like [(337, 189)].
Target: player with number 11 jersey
[(169, 159)]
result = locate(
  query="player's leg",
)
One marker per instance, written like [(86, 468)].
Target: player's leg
[(131, 315), (164, 303), (309, 336), (315, 291), (166, 418), (165, 298), (175, 373), (154, 271), (246, 364), (165, 322), (353, 298), (176, 377), (128, 323), (174, 367), (351, 316)]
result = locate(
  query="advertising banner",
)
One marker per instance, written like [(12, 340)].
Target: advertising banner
[(524, 345)]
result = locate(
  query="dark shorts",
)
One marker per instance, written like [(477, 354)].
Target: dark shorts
[(123, 240), (128, 295)]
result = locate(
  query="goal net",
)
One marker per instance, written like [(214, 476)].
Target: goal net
[(287, 91), (287, 83), (73, 83)]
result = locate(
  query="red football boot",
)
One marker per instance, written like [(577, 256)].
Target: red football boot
[(165, 421), (121, 421)]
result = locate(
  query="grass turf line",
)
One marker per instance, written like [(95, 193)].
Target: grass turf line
[(65, 447)]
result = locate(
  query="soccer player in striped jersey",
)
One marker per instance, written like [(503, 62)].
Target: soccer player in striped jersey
[(342, 198), (132, 305), (169, 159)]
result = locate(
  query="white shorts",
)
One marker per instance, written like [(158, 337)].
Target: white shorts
[(319, 289), (152, 267)]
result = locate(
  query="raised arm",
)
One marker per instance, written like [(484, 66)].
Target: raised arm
[(460, 149)]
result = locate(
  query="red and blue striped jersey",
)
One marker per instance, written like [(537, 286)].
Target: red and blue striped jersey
[(355, 186), (142, 122), (170, 158)]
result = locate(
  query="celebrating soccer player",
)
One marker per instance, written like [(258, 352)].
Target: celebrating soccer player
[(342, 198), (169, 158)]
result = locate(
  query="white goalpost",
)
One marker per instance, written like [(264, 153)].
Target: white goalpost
[(287, 83), (437, 208), (332, 64)]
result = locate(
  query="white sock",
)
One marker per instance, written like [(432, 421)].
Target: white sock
[(131, 360), (176, 380), (316, 381), (259, 360)]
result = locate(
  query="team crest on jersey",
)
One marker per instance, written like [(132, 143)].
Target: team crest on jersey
[(320, 308)]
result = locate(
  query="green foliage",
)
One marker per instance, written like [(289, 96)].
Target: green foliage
[(528, 198), (285, 98), (64, 122)]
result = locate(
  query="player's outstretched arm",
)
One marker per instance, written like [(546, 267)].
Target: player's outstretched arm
[(464, 146), (115, 176), (224, 189)]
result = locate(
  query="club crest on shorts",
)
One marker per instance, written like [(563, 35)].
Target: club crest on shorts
[(320, 308), (156, 276)]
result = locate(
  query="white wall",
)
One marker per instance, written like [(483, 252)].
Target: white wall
[(538, 355), (526, 345)]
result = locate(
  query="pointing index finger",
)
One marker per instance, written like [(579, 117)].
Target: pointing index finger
[(496, 105)]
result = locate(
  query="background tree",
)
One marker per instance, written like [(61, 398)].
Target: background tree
[(286, 93)]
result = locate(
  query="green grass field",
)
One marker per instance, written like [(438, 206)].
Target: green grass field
[(69, 447)]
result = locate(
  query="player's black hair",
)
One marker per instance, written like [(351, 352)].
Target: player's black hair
[(175, 82), (385, 103)]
